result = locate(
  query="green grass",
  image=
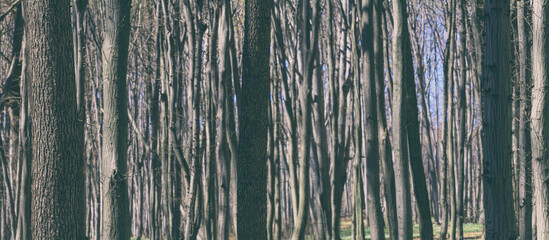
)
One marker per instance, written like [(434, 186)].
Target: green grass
[(470, 230)]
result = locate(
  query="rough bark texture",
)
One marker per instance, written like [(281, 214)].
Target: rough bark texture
[(254, 102), (524, 17), (540, 116), (116, 219), (496, 123), (57, 167)]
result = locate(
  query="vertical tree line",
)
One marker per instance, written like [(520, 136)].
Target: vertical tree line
[(273, 119)]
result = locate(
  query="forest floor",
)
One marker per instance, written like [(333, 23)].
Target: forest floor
[(470, 230)]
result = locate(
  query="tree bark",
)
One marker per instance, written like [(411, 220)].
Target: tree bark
[(496, 122), (525, 160), (461, 117), (407, 142), (371, 151), (251, 164), (400, 143), (58, 166), (385, 150), (116, 220), (540, 116)]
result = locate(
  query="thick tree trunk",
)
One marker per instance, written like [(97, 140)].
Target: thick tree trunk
[(540, 116), (251, 164), (58, 205), (496, 123)]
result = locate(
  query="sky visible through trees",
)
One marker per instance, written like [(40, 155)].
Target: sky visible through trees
[(274, 119)]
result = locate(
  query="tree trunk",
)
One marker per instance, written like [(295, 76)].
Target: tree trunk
[(400, 143), (154, 195), (525, 160), (461, 117), (384, 148), (496, 123), (369, 74), (116, 217), (251, 164), (58, 205), (448, 55), (540, 116), (224, 92), (17, 68)]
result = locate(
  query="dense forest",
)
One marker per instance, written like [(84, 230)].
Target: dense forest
[(274, 119)]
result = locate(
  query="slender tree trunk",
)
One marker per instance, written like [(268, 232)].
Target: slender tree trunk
[(116, 217), (407, 142), (369, 74), (384, 148), (356, 183), (154, 197), (524, 17), (224, 93), (400, 143), (461, 122), (24, 215), (540, 121), (16, 72), (341, 86), (448, 56)]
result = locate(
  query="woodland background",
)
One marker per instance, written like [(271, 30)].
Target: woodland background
[(274, 119)]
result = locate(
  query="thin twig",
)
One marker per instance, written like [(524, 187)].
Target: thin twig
[(12, 6)]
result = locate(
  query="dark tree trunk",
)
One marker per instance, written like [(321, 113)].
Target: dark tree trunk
[(496, 122), (251, 164), (58, 205), (371, 151), (385, 151)]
